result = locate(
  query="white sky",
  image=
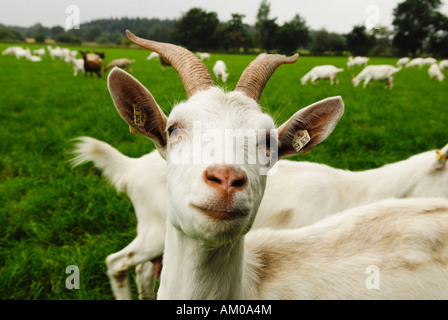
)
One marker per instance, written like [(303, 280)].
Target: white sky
[(334, 15)]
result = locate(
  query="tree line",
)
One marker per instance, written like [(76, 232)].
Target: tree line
[(418, 28)]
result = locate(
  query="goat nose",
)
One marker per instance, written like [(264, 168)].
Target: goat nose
[(225, 178)]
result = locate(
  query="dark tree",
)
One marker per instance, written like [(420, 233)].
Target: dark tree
[(292, 35), (413, 23), (266, 28), (234, 34), (359, 42), (324, 41), (196, 30)]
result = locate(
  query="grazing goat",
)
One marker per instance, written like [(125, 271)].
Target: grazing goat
[(322, 72), (377, 73), (22, 53), (56, 53), (11, 50), (123, 63), (204, 56), (220, 71), (92, 65), (213, 203), (429, 61), (78, 64), (40, 52), (287, 202), (443, 64), (153, 56), (435, 72), (402, 62), (417, 62), (360, 61)]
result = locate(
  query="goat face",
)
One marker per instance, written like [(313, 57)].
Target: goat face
[(212, 141)]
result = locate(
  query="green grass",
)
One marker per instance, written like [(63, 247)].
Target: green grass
[(53, 216)]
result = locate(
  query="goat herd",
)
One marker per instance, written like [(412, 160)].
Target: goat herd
[(89, 63), (225, 231)]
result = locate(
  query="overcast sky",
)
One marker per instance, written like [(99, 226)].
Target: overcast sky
[(334, 15)]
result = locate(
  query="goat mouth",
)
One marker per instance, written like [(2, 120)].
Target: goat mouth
[(220, 214)]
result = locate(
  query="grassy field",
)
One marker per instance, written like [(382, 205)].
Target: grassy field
[(53, 216)]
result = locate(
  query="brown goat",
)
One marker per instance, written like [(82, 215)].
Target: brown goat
[(92, 65)]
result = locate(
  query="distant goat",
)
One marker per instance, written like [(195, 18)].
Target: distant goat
[(40, 52), (78, 64), (378, 73), (443, 64), (220, 70), (416, 62), (204, 56), (435, 72), (153, 56), (322, 72), (360, 61), (123, 63), (402, 62), (56, 53), (92, 65)]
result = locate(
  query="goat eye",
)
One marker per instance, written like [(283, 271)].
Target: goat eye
[(173, 130)]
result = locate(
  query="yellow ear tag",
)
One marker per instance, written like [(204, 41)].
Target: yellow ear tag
[(139, 116), (440, 156), (301, 138)]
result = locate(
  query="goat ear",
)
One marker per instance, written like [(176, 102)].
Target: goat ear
[(309, 126), (137, 107)]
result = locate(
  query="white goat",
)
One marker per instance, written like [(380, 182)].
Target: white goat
[(377, 73), (212, 205), (78, 64), (32, 58), (56, 53), (429, 61), (204, 56), (416, 62), (287, 202), (443, 64), (322, 72), (153, 56), (220, 70), (22, 53), (11, 50), (435, 72), (360, 61), (403, 61), (40, 52)]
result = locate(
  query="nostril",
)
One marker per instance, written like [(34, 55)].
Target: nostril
[(238, 182), (213, 179)]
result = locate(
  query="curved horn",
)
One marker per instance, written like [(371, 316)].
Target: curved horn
[(258, 72), (192, 71)]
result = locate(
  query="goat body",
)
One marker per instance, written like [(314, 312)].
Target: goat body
[(288, 202), (377, 73), (203, 55), (416, 62), (403, 61), (123, 63), (443, 64), (435, 72), (153, 56), (360, 61), (92, 65), (322, 72), (220, 70)]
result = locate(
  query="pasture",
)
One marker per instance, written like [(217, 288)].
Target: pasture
[(53, 216)]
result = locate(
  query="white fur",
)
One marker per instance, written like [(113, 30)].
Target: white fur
[(153, 56), (435, 72), (377, 73), (443, 64), (78, 64), (220, 70), (203, 56), (40, 52), (402, 61), (288, 202), (416, 62), (56, 53), (322, 72), (429, 61), (11, 50), (357, 61)]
